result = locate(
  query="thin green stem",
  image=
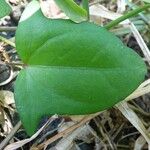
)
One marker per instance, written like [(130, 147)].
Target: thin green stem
[(85, 5), (126, 16), (134, 6), (7, 41)]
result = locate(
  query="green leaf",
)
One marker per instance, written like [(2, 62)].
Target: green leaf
[(71, 69), (5, 9), (85, 5), (72, 10), (147, 1)]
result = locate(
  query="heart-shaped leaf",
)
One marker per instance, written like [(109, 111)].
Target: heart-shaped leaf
[(5, 9), (71, 68)]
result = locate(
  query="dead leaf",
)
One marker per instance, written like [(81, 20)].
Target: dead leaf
[(7, 97)]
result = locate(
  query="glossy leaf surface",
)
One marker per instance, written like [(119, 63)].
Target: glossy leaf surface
[(71, 68), (5, 9)]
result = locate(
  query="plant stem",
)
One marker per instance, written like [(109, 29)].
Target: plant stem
[(12, 64), (7, 41), (85, 5), (2, 28), (126, 16), (134, 6)]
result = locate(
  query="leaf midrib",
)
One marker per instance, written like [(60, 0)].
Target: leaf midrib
[(86, 68)]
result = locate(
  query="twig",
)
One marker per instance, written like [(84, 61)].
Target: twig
[(126, 136), (134, 120), (9, 78), (2, 28), (139, 110), (15, 64), (10, 135), (12, 75), (12, 64), (117, 131), (7, 41), (18, 144), (67, 131), (108, 138)]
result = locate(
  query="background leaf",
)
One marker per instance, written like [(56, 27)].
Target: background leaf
[(71, 69), (147, 1), (72, 10), (5, 9)]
